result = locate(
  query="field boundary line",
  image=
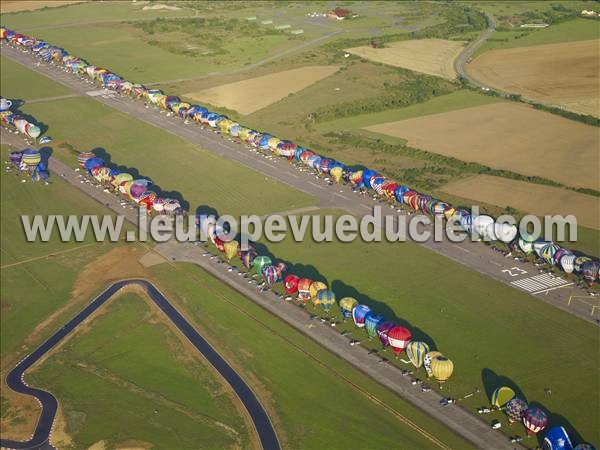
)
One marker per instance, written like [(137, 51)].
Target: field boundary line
[(25, 261)]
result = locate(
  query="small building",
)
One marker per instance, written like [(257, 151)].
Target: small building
[(267, 22), (297, 32), (283, 27), (589, 13), (339, 14)]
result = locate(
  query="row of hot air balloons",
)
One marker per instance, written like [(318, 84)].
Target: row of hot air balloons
[(30, 162), (484, 225), (137, 190), (534, 418), (392, 335), (10, 119)]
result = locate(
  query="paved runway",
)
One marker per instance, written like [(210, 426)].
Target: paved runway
[(476, 256), (49, 404)]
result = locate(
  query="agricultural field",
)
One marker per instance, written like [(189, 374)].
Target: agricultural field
[(555, 148), (564, 75), (118, 364), (534, 198), (177, 168), (430, 56), (19, 83), (250, 95), (11, 6), (292, 374), (486, 327)]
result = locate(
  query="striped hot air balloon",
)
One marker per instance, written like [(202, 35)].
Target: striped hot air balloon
[(515, 409), (304, 289), (548, 251), (270, 275), (260, 262), (590, 271), (326, 299), (356, 178), (399, 337), (579, 262), (347, 304), (314, 289), (535, 420), (427, 361), (372, 320), (557, 438), (416, 351)]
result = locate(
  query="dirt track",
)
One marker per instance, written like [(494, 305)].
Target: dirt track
[(564, 75)]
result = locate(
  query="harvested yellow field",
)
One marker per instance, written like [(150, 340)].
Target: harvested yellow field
[(250, 95), (431, 56), (508, 136), (565, 74), (530, 198), (10, 6)]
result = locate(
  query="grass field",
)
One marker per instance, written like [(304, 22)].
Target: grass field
[(120, 361), (534, 142), (295, 377), (19, 83), (563, 75), (492, 332), (430, 56), (177, 167), (444, 103), (572, 30), (536, 199), (252, 94), (11, 6)]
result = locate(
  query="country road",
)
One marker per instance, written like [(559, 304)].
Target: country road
[(465, 57), (41, 436), (522, 276)]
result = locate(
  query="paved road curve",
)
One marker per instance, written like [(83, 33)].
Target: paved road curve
[(522, 276), (41, 435), (467, 53)]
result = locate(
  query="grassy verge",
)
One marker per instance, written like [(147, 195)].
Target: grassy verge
[(23, 84)]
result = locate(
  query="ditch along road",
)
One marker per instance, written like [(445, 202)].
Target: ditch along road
[(456, 418), (518, 275), (41, 436)]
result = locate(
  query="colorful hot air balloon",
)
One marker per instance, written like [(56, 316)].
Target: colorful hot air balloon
[(372, 320), (270, 275), (416, 351), (501, 396), (534, 419), (427, 361), (231, 248), (557, 438), (590, 272), (382, 332), (314, 289), (290, 284), (337, 173), (219, 244), (548, 251), (359, 314), (441, 368), (399, 337), (579, 262), (515, 408), (304, 289), (260, 262), (347, 304), (248, 258), (326, 299)]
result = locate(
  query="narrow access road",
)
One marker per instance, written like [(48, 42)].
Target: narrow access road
[(466, 55), (41, 436)]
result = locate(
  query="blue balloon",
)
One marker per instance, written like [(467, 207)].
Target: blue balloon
[(367, 175), (557, 438), (93, 162), (399, 193)]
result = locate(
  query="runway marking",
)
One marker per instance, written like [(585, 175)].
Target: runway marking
[(540, 283)]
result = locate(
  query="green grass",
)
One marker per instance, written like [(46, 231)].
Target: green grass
[(129, 377), (572, 30), (24, 84), (450, 102), (312, 406), (175, 165), (487, 328)]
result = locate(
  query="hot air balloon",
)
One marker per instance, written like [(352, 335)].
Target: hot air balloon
[(548, 251), (427, 361), (93, 162), (539, 245), (219, 244), (515, 409), (372, 320), (416, 351), (589, 271), (248, 258), (535, 419), (480, 224), (326, 299), (15, 157), (382, 332), (159, 204), (290, 283), (557, 438), (441, 368), (147, 199), (501, 396), (304, 289), (30, 159), (270, 275), (399, 337), (231, 248), (260, 262), (367, 174), (347, 304), (314, 289), (5, 104), (359, 314), (399, 193), (121, 178), (336, 173), (579, 262), (356, 178)]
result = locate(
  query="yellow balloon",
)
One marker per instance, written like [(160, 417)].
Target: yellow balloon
[(336, 174), (231, 248), (314, 289), (442, 368)]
